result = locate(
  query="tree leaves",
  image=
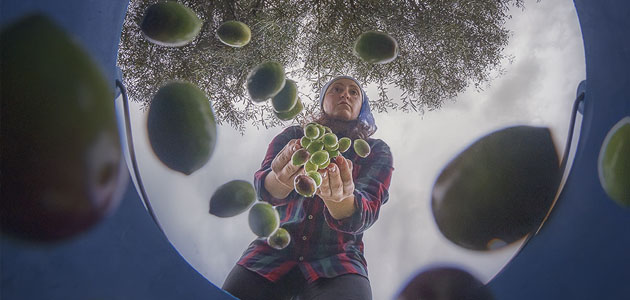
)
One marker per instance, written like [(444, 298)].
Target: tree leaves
[(444, 45)]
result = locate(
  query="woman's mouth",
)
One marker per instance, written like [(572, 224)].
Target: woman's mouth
[(344, 103)]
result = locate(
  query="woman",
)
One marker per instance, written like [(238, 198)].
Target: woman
[(325, 257)]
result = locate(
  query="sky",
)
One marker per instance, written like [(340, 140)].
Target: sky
[(538, 89)]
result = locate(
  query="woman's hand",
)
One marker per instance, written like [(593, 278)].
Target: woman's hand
[(337, 183), (282, 166)]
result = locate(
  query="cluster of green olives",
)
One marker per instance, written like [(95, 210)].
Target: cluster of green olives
[(319, 146), (268, 81), (264, 221), (172, 24), (237, 196)]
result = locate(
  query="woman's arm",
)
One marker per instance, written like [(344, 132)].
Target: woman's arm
[(266, 181), (370, 191), (275, 187), (342, 209), (337, 188)]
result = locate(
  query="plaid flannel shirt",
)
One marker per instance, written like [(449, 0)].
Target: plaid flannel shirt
[(321, 246)]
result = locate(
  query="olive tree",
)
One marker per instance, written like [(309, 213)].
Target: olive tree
[(444, 47)]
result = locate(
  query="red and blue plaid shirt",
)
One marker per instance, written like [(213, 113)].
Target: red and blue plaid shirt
[(321, 246)]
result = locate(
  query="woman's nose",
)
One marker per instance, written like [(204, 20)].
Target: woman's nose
[(345, 94)]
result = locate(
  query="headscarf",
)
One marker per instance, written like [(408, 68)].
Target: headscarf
[(365, 115)]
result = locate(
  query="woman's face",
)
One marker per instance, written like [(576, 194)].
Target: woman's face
[(343, 100)]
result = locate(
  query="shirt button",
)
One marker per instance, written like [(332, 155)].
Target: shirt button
[(304, 238), (310, 217), (301, 258)]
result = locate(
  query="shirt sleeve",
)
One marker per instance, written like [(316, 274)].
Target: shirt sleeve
[(275, 146), (371, 190)]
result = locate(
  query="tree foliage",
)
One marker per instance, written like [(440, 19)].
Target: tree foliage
[(445, 45)]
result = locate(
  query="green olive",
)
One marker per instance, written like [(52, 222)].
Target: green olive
[(344, 144), (299, 157), (361, 148), (319, 157), (279, 239)]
